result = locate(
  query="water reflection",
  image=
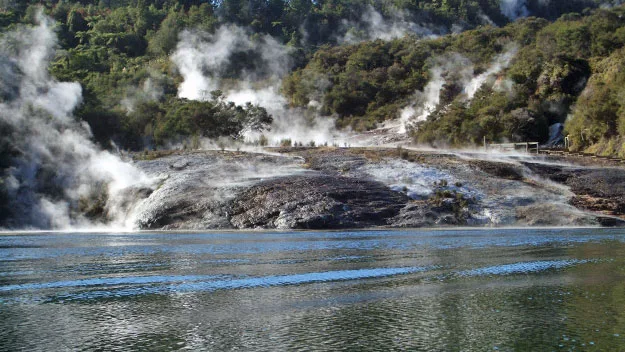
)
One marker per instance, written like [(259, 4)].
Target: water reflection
[(398, 290)]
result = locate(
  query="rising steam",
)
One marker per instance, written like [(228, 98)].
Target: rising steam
[(54, 166), (203, 60), (425, 102), (457, 70), (500, 62), (449, 68), (514, 9), (373, 25)]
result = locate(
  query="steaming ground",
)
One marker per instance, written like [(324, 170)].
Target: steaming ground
[(56, 172), (203, 59), (312, 188), (59, 179), (343, 187), (195, 189)]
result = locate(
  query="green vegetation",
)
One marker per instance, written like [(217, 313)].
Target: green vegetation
[(545, 82), (450, 199), (370, 82), (116, 48), (175, 119), (598, 122)]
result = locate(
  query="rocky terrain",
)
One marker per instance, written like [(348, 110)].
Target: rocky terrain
[(329, 188)]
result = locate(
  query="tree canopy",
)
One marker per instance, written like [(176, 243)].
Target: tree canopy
[(565, 65)]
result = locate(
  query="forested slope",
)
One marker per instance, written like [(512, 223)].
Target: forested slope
[(368, 57), (162, 73), (531, 74)]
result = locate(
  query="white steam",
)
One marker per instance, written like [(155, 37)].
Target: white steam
[(485, 19), (610, 4), (56, 165), (372, 25), (425, 102), (150, 90), (202, 60), (500, 62), (453, 69), (514, 9), (447, 69)]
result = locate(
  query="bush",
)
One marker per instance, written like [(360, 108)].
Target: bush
[(263, 141)]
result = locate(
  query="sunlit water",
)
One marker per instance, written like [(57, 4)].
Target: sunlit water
[(457, 290)]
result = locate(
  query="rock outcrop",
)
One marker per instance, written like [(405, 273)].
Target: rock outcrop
[(316, 202), (597, 189), (332, 188)]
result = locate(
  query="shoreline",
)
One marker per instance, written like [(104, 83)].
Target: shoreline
[(282, 189), (287, 231)]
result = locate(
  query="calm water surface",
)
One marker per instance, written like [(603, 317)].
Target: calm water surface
[(460, 290)]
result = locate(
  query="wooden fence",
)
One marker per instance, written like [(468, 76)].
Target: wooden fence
[(528, 147)]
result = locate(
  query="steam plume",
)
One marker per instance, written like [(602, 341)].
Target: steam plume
[(203, 61), (453, 69), (456, 70), (55, 166), (425, 102), (514, 9), (373, 26), (150, 90), (500, 62)]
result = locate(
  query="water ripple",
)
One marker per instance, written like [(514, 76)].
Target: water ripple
[(522, 267), (183, 284), (449, 290), (105, 281)]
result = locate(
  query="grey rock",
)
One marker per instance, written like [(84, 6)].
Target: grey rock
[(196, 189), (344, 188), (315, 202)]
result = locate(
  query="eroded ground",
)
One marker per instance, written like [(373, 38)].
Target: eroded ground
[(314, 188)]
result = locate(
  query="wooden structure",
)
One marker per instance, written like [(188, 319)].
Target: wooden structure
[(567, 153), (528, 147)]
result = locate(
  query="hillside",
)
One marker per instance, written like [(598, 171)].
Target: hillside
[(365, 61), (504, 84), (80, 78)]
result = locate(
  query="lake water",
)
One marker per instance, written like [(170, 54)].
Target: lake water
[(451, 290)]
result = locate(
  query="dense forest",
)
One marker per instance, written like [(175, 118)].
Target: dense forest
[(78, 76), (363, 62), (567, 71)]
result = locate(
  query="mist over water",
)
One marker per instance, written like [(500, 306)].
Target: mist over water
[(54, 166)]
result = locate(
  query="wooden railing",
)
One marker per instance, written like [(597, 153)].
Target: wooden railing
[(567, 153), (528, 147)]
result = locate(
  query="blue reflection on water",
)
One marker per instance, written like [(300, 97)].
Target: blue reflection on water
[(106, 281), (196, 284), (522, 267), (458, 289), (14, 248)]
